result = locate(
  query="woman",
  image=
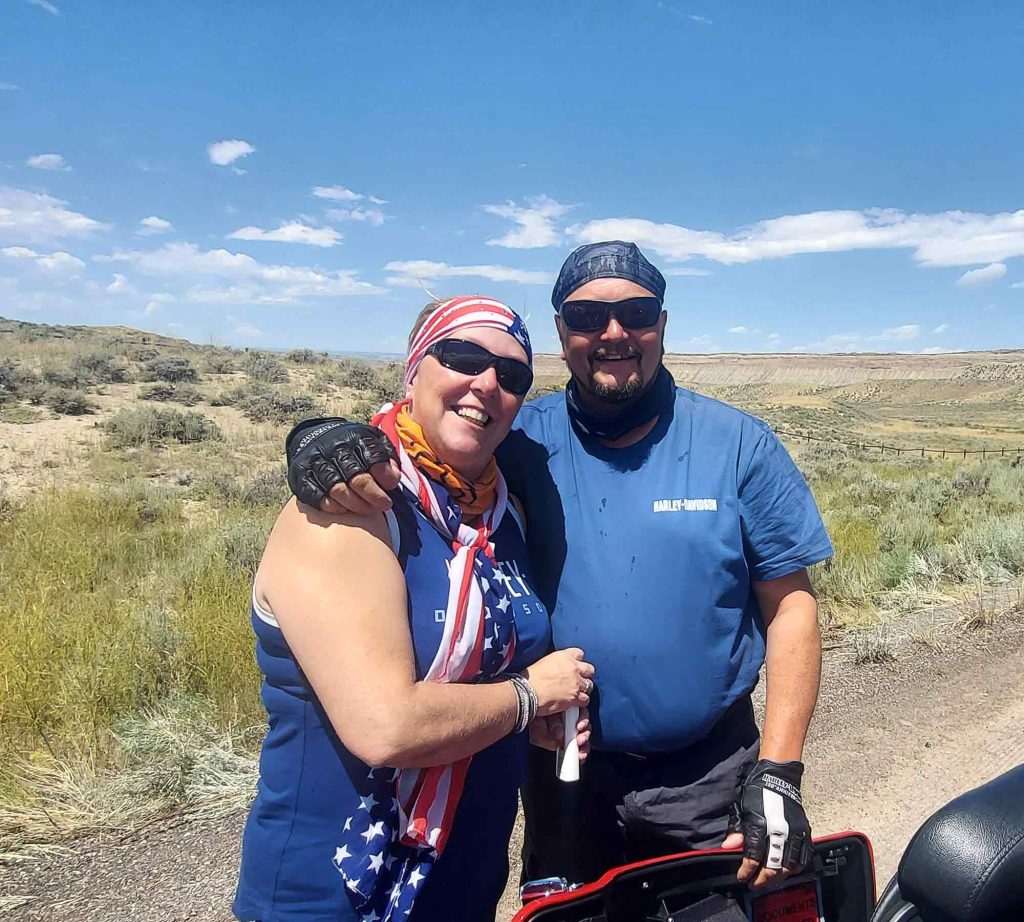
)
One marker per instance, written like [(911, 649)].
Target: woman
[(391, 647)]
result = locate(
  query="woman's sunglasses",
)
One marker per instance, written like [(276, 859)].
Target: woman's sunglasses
[(591, 316), (470, 359)]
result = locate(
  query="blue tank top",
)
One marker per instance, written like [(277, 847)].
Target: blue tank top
[(306, 790)]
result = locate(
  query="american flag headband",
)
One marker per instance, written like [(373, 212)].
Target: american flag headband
[(461, 314)]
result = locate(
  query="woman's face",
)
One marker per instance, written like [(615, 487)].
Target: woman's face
[(465, 417)]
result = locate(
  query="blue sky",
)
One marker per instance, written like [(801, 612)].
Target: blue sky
[(811, 177)]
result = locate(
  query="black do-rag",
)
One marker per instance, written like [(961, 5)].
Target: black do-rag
[(614, 259)]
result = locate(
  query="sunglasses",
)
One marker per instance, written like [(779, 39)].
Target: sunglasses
[(591, 316), (468, 358)]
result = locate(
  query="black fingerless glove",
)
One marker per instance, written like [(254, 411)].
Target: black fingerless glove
[(322, 453), (775, 829)]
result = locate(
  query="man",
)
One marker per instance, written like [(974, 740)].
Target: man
[(669, 536)]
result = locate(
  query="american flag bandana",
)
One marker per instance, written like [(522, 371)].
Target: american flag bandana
[(460, 314), (390, 843)]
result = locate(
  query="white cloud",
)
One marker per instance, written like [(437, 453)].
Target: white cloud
[(28, 217), (536, 223), (901, 333), (703, 344), (224, 153), (373, 216), (153, 225), (951, 238), (941, 328), (336, 193), (242, 278), (981, 276), (57, 263), (1017, 285), (119, 286), (740, 329), (291, 232), (45, 5), (245, 330), (861, 342), (153, 305), (935, 350), (412, 272), (48, 162), (9, 87), (343, 194)]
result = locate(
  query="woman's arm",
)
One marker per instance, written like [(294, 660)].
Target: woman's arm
[(339, 595)]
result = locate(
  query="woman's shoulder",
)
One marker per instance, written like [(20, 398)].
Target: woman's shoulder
[(302, 535)]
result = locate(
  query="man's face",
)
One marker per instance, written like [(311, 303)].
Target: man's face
[(615, 364)]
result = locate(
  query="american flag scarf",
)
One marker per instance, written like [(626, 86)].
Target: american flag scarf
[(404, 817)]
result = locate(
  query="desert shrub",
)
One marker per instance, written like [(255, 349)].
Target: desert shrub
[(219, 363), (170, 368), (64, 377), (68, 401), (14, 379), (100, 368), (363, 411), (262, 366), (172, 393), (390, 383), (8, 380), (266, 490), (141, 354), (263, 404), (356, 373), (150, 426), (275, 407), (306, 357)]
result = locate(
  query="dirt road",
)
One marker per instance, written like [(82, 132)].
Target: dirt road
[(890, 744)]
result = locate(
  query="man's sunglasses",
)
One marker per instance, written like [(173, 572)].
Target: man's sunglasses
[(470, 359), (591, 316)]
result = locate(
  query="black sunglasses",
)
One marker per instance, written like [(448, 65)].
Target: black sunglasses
[(470, 359), (591, 316)]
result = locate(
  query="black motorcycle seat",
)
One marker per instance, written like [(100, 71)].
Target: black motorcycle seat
[(966, 863)]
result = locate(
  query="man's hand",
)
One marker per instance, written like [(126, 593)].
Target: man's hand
[(773, 828), (339, 466)]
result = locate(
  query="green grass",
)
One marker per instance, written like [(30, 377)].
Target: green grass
[(112, 603), (912, 531)]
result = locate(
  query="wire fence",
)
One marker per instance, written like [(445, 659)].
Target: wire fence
[(901, 450)]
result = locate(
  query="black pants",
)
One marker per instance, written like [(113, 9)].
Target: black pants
[(628, 807)]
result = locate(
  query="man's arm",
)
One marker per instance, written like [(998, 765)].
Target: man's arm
[(792, 663), (776, 834)]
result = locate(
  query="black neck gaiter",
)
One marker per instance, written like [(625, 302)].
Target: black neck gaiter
[(651, 403)]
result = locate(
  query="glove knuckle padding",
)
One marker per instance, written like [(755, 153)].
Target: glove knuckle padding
[(375, 450), (307, 490)]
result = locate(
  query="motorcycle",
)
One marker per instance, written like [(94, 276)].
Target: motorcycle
[(965, 864)]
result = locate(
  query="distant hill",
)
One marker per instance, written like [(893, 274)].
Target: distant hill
[(731, 369)]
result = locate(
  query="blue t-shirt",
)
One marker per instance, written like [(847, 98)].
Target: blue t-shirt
[(311, 786), (645, 555)]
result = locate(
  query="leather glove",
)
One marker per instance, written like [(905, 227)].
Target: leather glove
[(322, 453), (775, 829)]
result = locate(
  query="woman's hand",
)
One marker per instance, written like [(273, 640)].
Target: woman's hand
[(561, 680), (547, 732)]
